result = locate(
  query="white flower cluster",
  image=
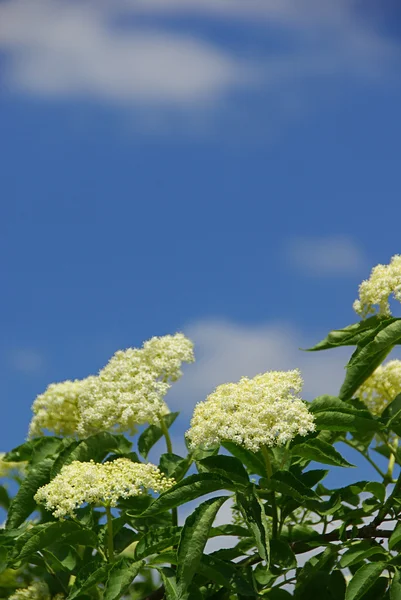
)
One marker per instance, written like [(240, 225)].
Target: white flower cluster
[(380, 389), (263, 411), (128, 391), (56, 409), (384, 280), (99, 483), (36, 591)]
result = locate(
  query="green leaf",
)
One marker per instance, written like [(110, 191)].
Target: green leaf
[(173, 465), (121, 575), (156, 540), (252, 461), (153, 434), (334, 414), (186, 490), (228, 466), (193, 539), (63, 532), (367, 358), (277, 594), (395, 588), (377, 489), (89, 576), (95, 447), (363, 580), (229, 529), (350, 335), (169, 582), (4, 498), (359, 552), (23, 503), (395, 537), (35, 450), (227, 574), (286, 483), (322, 452), (254, 515), (281, 554)]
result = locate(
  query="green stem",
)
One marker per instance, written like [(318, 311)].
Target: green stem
[(391, 461), (366, 455), (164, 428), (166, 434), (110, 545), (269, 473)]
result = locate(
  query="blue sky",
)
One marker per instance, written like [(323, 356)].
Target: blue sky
[(229, 169)]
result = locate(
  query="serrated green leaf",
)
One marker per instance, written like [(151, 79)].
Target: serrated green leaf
[(395, 537), (395, 588), (281, 554), (120, 577), (359, 552), (4, 498), (252, 461), (35, 450), (254, 515), (156, 540), (153, 434), (91, 574), (63, 532), (350, 335), (23, 503), (188, 489), (193, 539), (95, 447), (277, 594), (368, 357), (322, 452), (227, 466), (174, 466), (169, 582), (377, 489), (363, 580), (286, 483)]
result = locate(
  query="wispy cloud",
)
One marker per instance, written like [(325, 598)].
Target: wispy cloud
[(27, 361), (226, 351), (69, 50), (325, 256), (79, 49)]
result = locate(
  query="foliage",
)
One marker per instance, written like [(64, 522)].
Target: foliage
[(291, 535)]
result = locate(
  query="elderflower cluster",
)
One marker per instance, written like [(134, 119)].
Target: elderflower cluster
[(263, 411), (128, 391), (384, 280), (380, 389), (57, 409), (36, 591), (99, 483)]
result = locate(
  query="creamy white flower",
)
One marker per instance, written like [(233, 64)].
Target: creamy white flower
[(36, 591), (99, 483), (384, 280), (56, 410), (128, 391), (380, 389), (263, 411)]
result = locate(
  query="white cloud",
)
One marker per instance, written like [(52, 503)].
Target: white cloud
[(226, 351), (27, 361), (77, 49), (325, 256), (65, 49)]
